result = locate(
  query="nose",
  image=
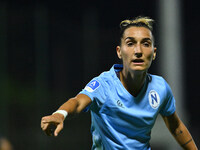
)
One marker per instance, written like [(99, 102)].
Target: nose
[(138, 51)]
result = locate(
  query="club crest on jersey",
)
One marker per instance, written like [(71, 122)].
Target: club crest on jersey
[(154, 99), (92, 86)]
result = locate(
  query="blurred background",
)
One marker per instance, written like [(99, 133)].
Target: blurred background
[(50, 50)]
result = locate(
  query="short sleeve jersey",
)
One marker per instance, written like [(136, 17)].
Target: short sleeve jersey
[(121, 121)]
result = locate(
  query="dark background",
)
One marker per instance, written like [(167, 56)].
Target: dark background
[(50, 50)]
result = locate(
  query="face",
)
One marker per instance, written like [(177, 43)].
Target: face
[(136, 49)]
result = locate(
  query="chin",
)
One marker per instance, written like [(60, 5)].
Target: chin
[(139, 69)]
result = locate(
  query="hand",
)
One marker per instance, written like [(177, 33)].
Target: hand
[(52, 124)]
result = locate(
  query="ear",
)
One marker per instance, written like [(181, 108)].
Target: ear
[(154, 53), (118, 49)]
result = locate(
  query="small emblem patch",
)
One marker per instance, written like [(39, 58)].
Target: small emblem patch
[(92, 86), (120, 104), (154, 99)]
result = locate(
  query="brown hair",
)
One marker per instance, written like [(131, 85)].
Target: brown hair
[(137, 22)]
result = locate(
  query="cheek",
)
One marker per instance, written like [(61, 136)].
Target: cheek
[(149, 55), (124, 54), (126, 57), (127, 52)]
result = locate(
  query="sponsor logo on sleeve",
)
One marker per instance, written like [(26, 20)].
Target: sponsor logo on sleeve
[(154, 99), (92, 86)]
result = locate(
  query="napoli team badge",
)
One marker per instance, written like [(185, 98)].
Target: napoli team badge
[(92, 86), (154, 99)]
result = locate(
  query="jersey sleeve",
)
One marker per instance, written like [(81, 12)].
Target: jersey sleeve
[(96, 91), (169, 106)]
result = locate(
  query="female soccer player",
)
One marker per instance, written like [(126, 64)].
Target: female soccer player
[(125, 101)]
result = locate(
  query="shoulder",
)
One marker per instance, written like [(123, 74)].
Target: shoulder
[(99, 81), (156, 79), (106, 76), (103, 82), (160, 85), (111, 74), (158, 82)]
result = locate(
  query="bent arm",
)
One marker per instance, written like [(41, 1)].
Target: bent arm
[(72, 106), (76, 105), (179, 131)]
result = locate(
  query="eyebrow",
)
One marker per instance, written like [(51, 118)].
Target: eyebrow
[(144, 39)]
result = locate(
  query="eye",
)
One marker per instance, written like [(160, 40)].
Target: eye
[(147, 44), (129, 43)]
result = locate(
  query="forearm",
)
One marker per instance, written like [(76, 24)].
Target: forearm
[(179, 131), (183, 137), (71, 106), (53, 124), (76, 105)]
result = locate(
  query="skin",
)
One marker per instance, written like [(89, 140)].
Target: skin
[(136, 44), (137, 52), (179, 132), (72, 106), (5, 144)]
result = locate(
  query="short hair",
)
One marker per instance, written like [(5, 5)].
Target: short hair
[(137, 22)]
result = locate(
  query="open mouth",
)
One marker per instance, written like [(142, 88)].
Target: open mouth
[(138, 60)]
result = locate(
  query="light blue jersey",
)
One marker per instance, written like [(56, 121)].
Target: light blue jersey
[(121, 121)]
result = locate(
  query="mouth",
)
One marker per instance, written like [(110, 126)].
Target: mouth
[(138, 61)]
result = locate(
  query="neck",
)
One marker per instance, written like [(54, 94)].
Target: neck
[(133, 81)]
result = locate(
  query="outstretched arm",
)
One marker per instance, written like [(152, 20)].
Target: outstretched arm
[(179, 131), (72, 106)]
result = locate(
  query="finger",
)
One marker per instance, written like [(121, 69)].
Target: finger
[(43, 122), (49, 119), (45, 119), (48, 132), (58, 129), (45, 126), (50, 129)]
